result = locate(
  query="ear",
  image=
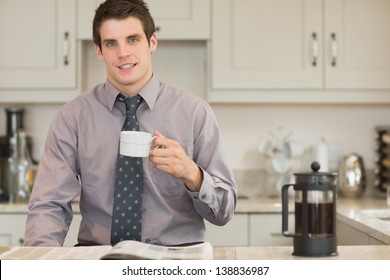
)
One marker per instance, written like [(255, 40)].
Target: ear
[(98, 51), (153, 43)]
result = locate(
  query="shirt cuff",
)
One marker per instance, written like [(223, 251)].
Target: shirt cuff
[(206, 191)]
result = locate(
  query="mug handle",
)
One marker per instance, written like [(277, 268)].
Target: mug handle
[(285, 211), (151, 144)]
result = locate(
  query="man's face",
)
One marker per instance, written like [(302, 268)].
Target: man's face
[(127, 54)]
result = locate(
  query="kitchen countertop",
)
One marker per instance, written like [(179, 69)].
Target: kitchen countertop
[(276, 253), (379, 252)]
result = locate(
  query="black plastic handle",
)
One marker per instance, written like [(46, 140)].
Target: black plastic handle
[(285, 211)]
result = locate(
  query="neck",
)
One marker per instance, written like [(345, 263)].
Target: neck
[(131, 89)]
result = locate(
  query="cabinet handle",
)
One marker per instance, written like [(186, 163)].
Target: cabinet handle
[(66, 48), (333, 48), (314, 49)]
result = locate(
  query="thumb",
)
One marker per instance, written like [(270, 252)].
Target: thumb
[(157, 133), (160, 139)]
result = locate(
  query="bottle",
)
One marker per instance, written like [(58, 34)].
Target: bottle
[(19, 169), (322, 155), (10, 173), (24, 170), (352, 176), (14, 123)]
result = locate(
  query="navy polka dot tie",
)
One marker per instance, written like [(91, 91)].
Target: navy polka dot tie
[(126, 216)]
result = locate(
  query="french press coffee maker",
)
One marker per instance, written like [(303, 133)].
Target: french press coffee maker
[(315, 213)]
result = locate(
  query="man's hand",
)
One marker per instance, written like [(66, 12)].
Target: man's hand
[(169, 156)]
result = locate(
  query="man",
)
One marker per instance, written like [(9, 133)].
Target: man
[(186, 178)]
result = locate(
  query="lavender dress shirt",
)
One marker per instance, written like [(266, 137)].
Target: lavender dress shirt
[(80, 156)]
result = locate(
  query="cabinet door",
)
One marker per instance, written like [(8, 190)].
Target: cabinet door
[(266, 230), (73, 232), (347, 235), (37, 44), (234, 233), (181, 19), (85, 13), (259, 44), (12, 229), (358, 44), (174, 19)]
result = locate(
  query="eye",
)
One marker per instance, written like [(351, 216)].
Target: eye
[(110, 44), (133, 40)]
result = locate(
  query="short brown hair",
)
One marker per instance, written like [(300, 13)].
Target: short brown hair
[(122, 9)]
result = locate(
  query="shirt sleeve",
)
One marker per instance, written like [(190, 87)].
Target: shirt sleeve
[(55, 187), (217, 198)]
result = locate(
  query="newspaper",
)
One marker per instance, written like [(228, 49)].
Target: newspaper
[(125, 250)]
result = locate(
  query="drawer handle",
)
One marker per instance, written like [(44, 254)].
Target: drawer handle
[(314, 49), (334, 50), (66, 48)]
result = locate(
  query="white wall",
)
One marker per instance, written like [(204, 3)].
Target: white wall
[(350, 127)]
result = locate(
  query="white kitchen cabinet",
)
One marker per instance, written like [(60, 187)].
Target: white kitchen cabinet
[(37, 45), (264, 44), (13, 227), (374, 241), (360, 31), (254, 229), (348, 235), (234, 233), (181, 19), (300, 51), (71, 237), (85, 13), (174, 19), (266, 230)]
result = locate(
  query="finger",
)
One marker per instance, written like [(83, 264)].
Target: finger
[(161, 141)]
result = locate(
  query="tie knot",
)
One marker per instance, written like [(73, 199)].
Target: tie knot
[(131, 103)]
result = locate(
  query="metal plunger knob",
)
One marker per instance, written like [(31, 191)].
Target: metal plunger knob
[(315, 166)]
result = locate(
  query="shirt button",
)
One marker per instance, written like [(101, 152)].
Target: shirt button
[(195, 197), (203, 196), (147, 240)]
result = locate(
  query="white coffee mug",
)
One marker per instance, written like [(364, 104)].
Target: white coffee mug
[(136, 143)]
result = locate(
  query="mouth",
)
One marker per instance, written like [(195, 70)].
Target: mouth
[(126, 66)]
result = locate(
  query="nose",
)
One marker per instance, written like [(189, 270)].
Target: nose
[(123, 50)]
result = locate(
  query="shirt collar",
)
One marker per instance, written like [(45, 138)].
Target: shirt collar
[(149, 93), (110, 92)]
